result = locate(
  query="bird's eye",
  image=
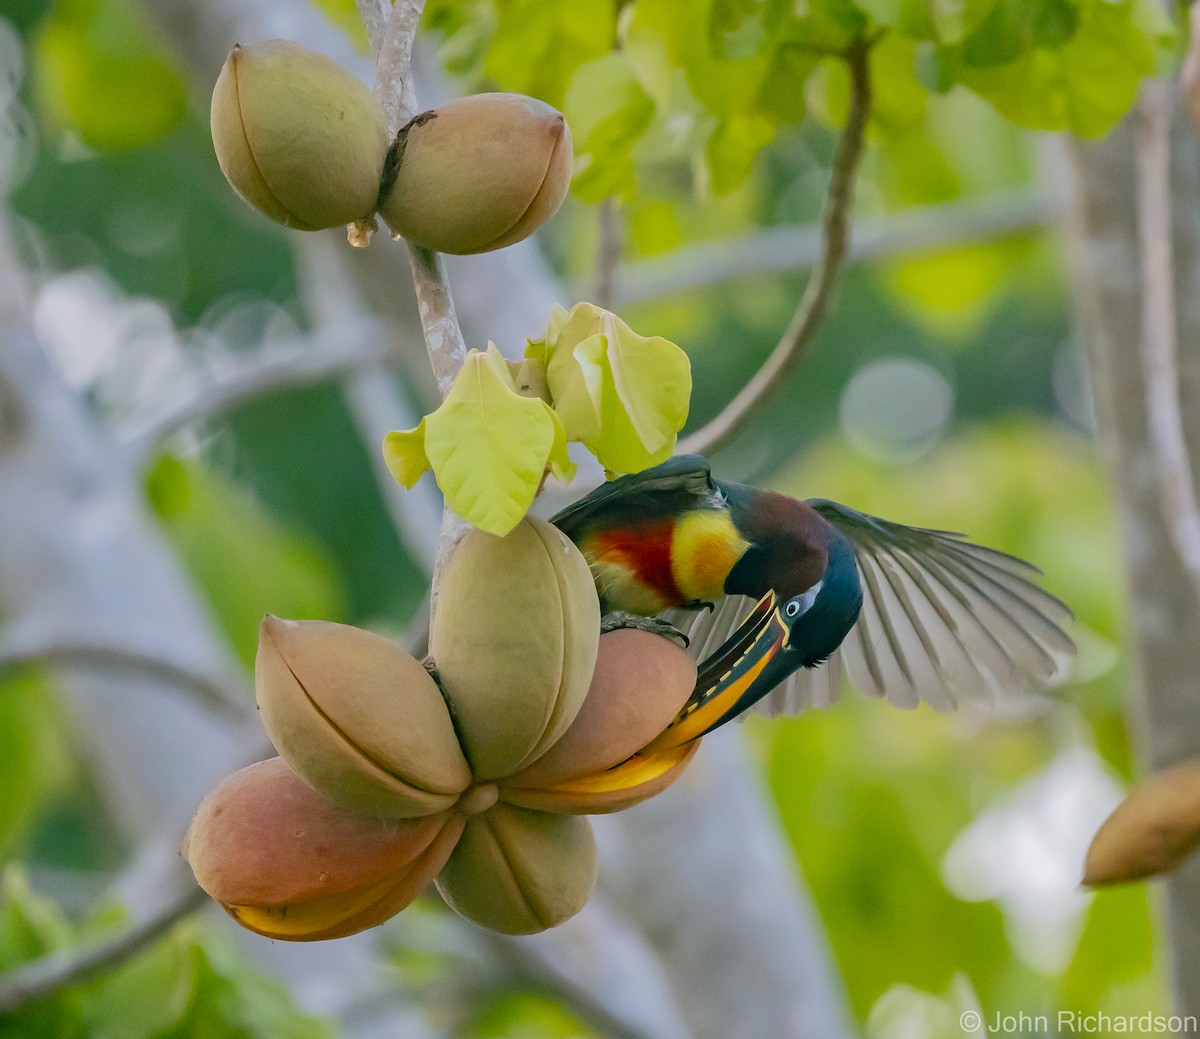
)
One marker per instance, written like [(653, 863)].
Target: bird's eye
[(792, 608)]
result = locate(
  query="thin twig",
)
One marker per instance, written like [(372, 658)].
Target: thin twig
[(42, 977), (608, 253), (1159, 340), (270, 372), (212, 692), (788, 249), (815, 301)]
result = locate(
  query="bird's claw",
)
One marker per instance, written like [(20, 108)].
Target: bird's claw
[(619, 619)]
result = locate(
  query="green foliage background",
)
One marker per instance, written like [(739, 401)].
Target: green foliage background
[(704, 119)]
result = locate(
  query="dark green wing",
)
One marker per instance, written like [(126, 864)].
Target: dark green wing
[(668, 489)]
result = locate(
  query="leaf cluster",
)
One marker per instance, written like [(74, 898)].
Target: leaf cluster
[(503, 424), (712, 82)]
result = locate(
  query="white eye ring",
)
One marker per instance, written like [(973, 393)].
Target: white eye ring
[(792, 608)]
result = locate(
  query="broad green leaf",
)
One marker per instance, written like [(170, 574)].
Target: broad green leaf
[(538, 45), (234, 1000), (101, 73), (404, 454), (739, 29), (509, 1014), (30, 926), (624, 396), (488, 446), (953, 290), (560, 460), (149, 996), (576, 377), (781, 95), (732, 149), (608, 111), (1085, 85), (654, 227), (653, 379), (36, 763), (910, 17)]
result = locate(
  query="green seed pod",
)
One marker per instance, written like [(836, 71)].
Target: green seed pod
[(298, 136), (358, 718), (288, 863), (514, 637), (478, 173), (520, 872)]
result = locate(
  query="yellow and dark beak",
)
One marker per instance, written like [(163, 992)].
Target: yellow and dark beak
[(746, 667)]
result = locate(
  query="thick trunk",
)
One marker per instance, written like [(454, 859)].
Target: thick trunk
[(1164, 612)]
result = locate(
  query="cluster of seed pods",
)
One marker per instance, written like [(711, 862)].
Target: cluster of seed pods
[(477, 780)]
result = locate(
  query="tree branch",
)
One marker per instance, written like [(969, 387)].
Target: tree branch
[(269, 372), (212, 692), (786, 249), (608, 253), (815, 301), (1159, 340)]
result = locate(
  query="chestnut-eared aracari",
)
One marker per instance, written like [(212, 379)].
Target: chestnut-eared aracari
[(910, 614)]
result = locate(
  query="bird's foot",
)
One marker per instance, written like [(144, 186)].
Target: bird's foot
[(698, 604), (619, 619)]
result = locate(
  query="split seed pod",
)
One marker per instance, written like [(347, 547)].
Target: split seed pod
[(288, 863), (514, 636), (478, 173), (520, 872), (298, 136), (640, 684), (358, 718)]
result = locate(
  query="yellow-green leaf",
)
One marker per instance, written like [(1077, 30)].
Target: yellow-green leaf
[(560, 461), (576, 377), (488, 446), (653, 379), (404, 453), (624, 396)]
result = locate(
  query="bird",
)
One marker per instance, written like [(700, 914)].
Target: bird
[(780, 596)]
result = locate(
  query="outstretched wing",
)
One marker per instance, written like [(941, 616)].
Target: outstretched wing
[(676, 485), (943, 620)]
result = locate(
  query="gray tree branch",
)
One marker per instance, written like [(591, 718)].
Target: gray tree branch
[(1159, 340), (1164, 613)]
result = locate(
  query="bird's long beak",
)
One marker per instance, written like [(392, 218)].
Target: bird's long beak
[(732, 678)]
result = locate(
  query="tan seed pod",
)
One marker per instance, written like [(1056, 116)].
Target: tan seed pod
[(1151, 831), (520, 872), (478, 173), (514, 637), (288, 863), (358, 718), (640, 683), (298, 136)]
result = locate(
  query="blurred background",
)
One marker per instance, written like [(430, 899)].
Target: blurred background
[(191, 403)]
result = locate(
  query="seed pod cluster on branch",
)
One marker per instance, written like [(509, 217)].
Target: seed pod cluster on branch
[(388, 781), (305, 142)]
